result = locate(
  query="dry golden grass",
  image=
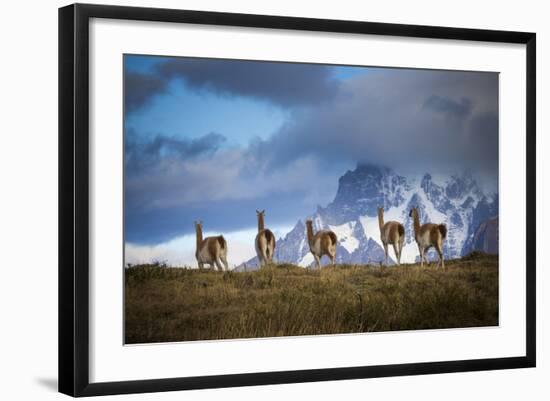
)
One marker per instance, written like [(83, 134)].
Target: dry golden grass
[(176, 304)]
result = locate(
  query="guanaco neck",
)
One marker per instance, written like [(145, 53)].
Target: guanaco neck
[(381, 219), (260, 222), (309, 226), (416, 221), (198, 227)]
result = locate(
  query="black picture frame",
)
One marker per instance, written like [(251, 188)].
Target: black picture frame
[(74, 198)]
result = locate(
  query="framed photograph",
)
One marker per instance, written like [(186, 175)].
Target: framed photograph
[(251, 199)]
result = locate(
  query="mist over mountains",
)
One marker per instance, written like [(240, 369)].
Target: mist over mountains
[(471, 216)]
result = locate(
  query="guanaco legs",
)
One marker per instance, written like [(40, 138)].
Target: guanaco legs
[(428, 235), (265, 241), (392, 233), (210, 250), (321, 243)]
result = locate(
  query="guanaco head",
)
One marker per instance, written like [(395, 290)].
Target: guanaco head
[(260, 212), (413, 212)]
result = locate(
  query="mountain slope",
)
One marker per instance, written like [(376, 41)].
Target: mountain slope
[(457, 201), (485, 238)]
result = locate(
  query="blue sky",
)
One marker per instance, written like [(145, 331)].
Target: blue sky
[(187, 112), (216, 139)]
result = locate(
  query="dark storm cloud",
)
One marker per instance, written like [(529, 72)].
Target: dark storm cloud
[(282, 84), (150, 153), (459, 109), (414, 120), (285, 84), (139, 88), (153, 226), (165, 193), (157, 171), (483, 132)]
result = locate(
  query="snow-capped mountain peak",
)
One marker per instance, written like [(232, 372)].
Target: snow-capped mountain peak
[(456, 201)]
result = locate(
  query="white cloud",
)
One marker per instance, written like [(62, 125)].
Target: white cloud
[(180, 251)]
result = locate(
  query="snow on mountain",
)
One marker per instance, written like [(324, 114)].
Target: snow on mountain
[(346, 239), (457, 201)]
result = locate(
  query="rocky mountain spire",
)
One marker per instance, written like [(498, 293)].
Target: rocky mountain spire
[(457, 201)]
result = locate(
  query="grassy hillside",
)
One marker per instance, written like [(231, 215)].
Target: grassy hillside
[(172, 304)]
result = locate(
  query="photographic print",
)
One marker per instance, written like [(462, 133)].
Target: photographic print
[(267, 199)]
